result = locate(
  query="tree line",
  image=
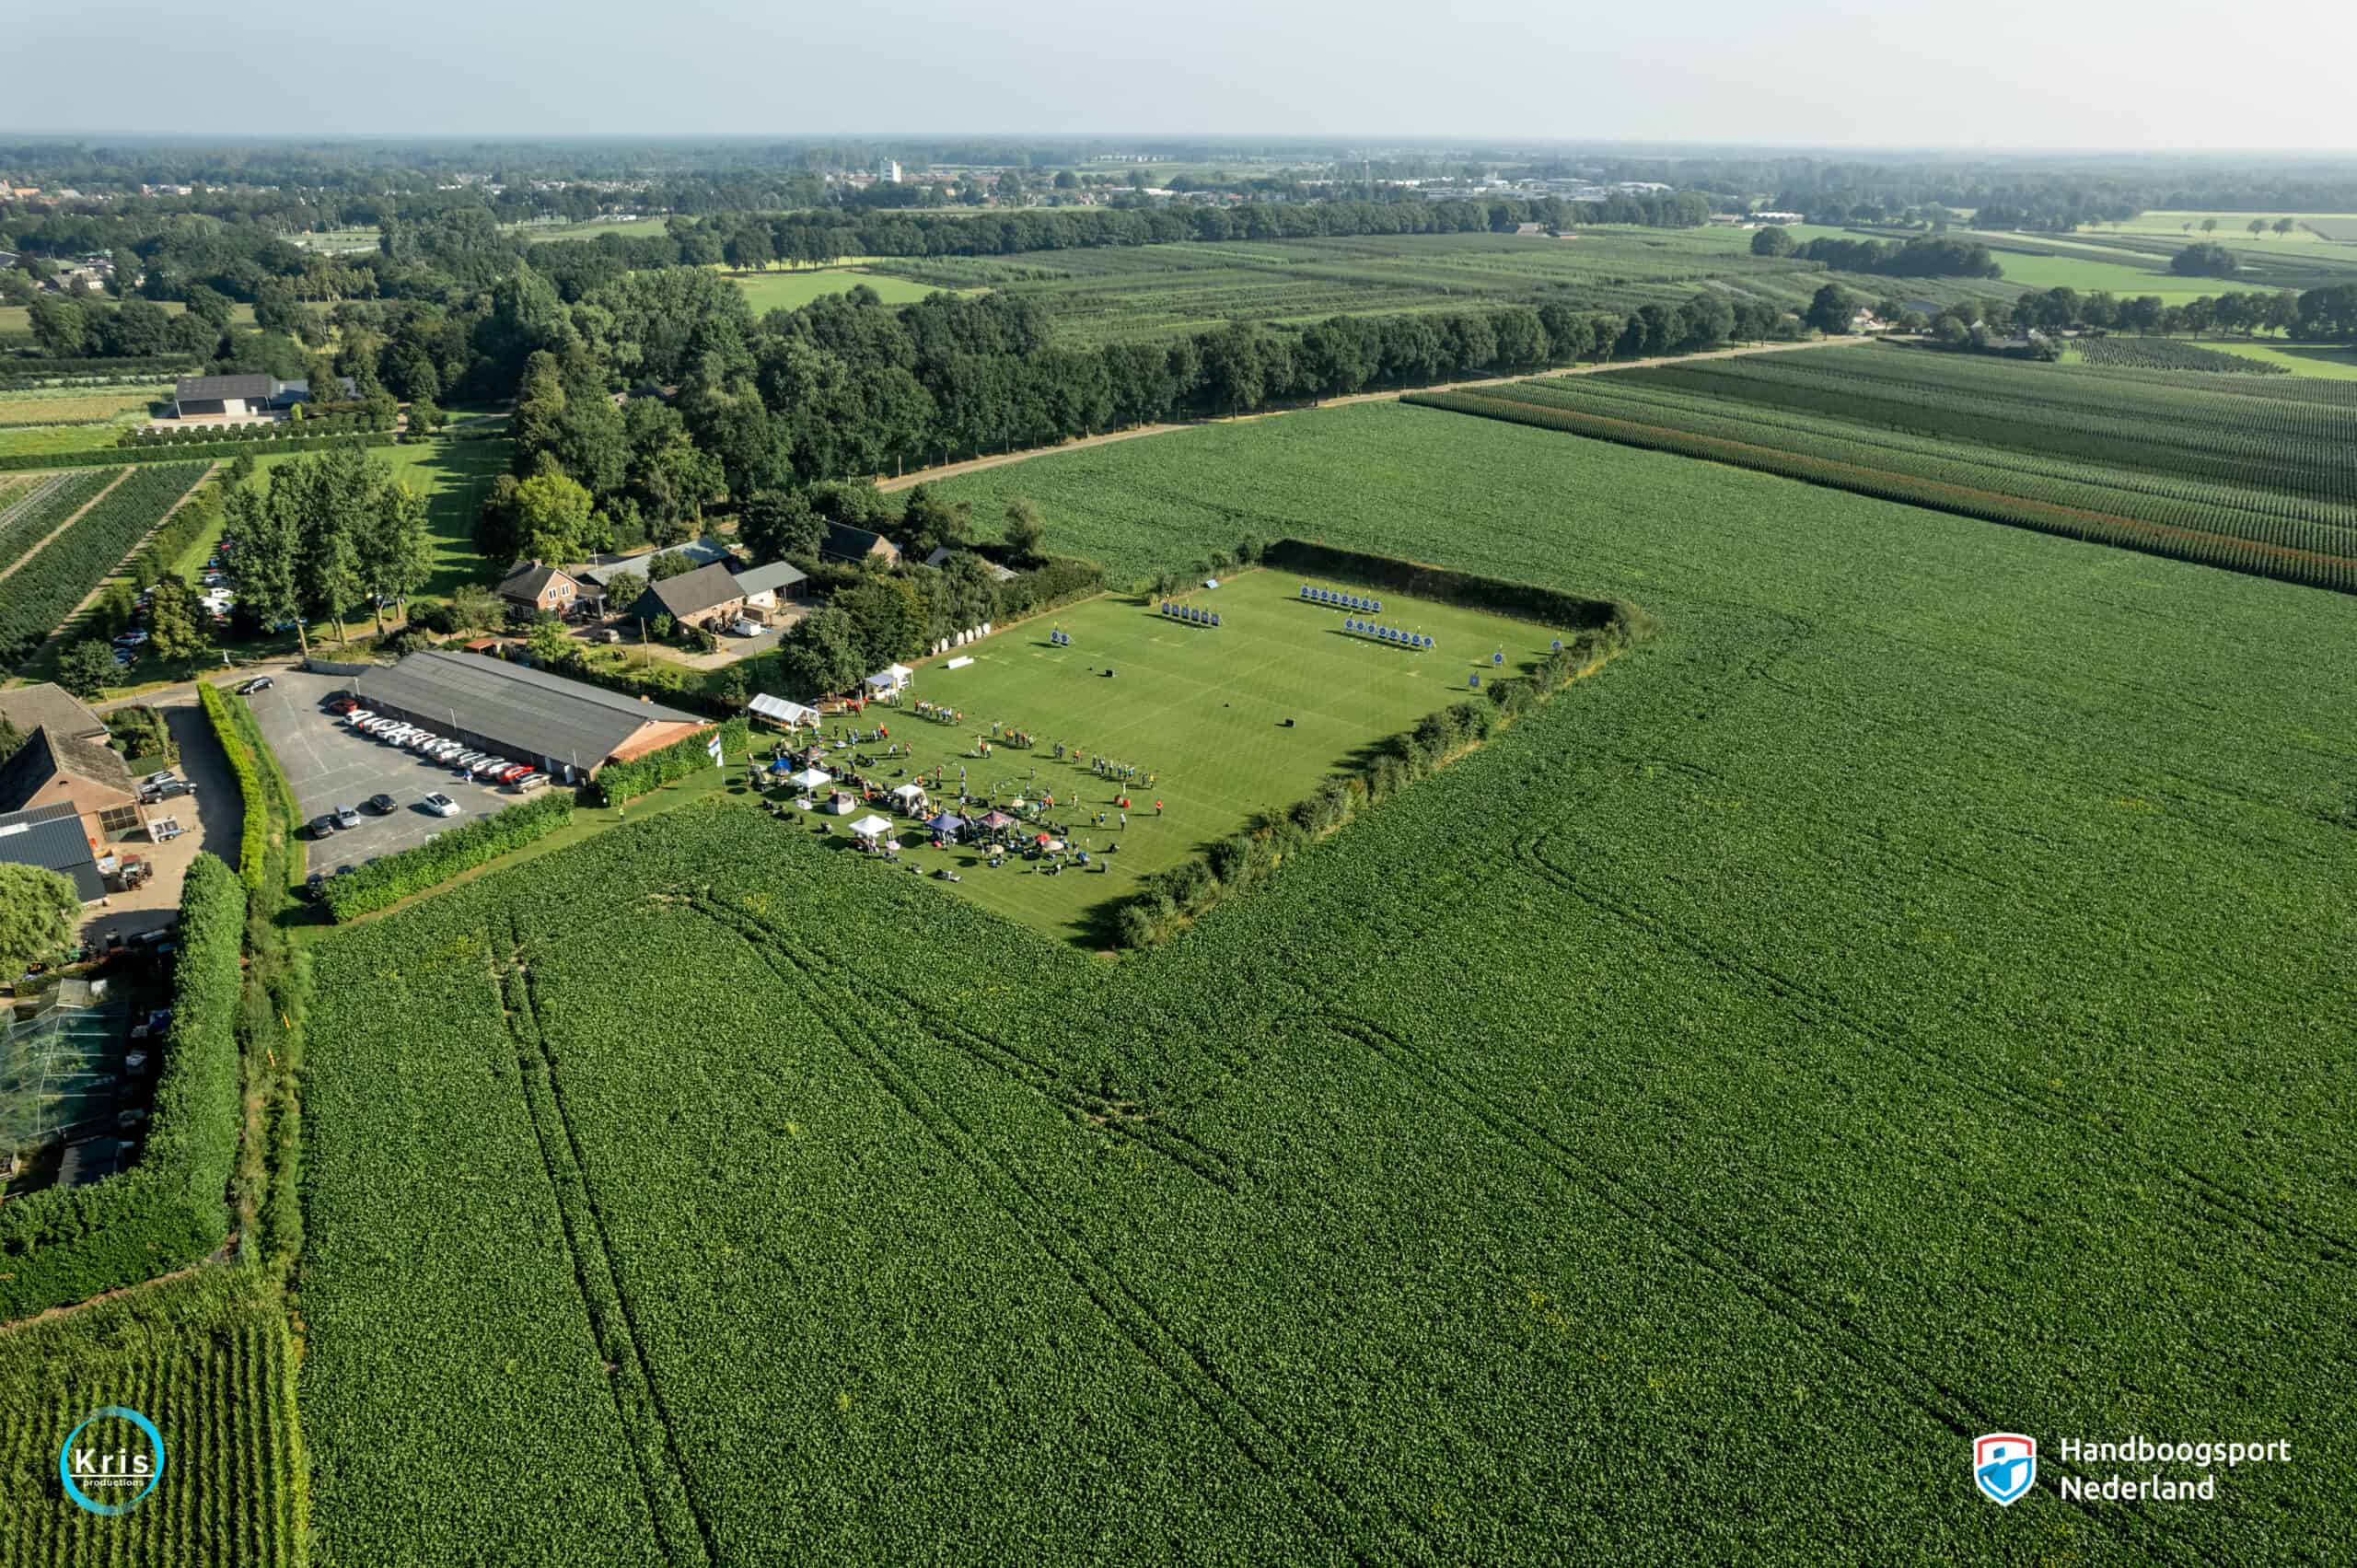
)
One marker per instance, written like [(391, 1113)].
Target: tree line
[(1918, 257)]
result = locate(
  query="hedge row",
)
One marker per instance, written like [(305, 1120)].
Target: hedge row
[(380, 883), (248, 435), (115, 457), (1168, 899), (1523, 601), (65, 1245), (251, 790), (28, 368), (618, 783)]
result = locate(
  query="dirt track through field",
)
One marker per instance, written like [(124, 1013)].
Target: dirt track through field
[(975, 465)]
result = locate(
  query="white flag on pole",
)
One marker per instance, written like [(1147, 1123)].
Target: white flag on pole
[(712, 746)]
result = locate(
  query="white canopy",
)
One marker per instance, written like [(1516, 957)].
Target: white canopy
[(810, 778), (898, 671), (871, 826), (907, 792), (782, 711)]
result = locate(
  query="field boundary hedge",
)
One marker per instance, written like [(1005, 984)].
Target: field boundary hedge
[(1549, 607), (1168, 901), (189, 452), (61, 1246), (253, 838), (618, 783), (383, 883)]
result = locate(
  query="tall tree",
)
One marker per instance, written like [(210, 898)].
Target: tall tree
[(396, 552), (264, 545), (778, 523), (1026, 530), (176, 630)]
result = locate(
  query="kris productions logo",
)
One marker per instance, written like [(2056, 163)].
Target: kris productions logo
[(2005, 1464), (111, 1462)]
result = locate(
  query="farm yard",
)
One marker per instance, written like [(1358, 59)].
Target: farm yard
[(1203, 711), (2248, 473), (1152, 292), (1790, 1022)]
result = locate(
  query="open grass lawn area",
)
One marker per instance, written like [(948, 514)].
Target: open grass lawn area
[(2231, 226), (768, 291), (1201, 708), (2331, 361), (1904, 999), (585, 230), (2089, 272)]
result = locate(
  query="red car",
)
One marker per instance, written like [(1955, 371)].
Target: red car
[(343, 705), (510, 774)]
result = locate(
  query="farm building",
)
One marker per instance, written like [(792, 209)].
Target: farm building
[(700, 598), (566, 728), (49, 769), (765, 587), (843, 543), (539, 587), (51, 708), (942, 555), (241, 396), (51, 837)]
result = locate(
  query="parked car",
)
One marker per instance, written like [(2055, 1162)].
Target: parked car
[(382, 804), (443, 751), (345, 817), (440, 805), (314, 885), (356, 718), (740, 627), (152, 780), (258, 683), (171, 790), (513, 771), (323, 825), (131, 639), (528, 783), (342, 705)]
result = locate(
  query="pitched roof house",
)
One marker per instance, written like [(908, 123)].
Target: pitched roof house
[(536, 586), (50, 768), (691, 598), (843, 543)]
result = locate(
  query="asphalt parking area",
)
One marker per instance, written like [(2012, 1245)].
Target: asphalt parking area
[(329, 765)]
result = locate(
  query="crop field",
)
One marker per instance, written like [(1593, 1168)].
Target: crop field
[(1900, 1002), (2329, 361), (33, 506), (2247, 473), (208, 1359), (769, 291), (2139, 264), (1158, 291), (2170, 353), (41, 593), (1201, 708), (82, 405)]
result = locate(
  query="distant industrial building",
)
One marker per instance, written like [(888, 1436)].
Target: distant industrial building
[(242, 397)]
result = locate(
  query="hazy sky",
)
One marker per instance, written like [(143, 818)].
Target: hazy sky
[(2161, 74)]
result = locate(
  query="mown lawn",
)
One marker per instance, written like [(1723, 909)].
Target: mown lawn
[(1201, 709)]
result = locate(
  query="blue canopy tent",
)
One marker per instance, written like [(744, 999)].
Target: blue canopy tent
[(946, 824)]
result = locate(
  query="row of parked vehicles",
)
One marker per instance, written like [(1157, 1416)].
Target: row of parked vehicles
[(457, 755)]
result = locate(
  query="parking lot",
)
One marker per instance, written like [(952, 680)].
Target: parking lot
[(329, 765)]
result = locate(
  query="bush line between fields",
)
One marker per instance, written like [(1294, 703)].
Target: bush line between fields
[(64, 1244), (1168, 900), (383, 883)]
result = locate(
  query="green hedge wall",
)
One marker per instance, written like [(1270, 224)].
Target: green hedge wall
[(115, 457), (61, 1246), (370, 887), (618, 783), (231, 733), (1573, 612)]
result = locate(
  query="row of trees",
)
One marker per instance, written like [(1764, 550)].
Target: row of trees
[(330, 530), (1933, 257)]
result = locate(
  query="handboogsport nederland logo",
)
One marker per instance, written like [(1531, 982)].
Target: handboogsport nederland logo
[(2005, 1464), (111, 1462), (2004, 1467)]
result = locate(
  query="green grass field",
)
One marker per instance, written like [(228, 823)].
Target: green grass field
[(591, 230), (2231, 226), (1657, 1138), (1202, 709), (766, 292), (2328, 361)]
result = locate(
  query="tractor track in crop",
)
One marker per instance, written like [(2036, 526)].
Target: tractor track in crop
[(2314, 1243), (1950, 1407), (1348, 1522), (664, 1480), (1078, 1106)]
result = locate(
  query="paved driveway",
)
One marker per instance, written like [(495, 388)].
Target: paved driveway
[(329, 765), (214, 818)]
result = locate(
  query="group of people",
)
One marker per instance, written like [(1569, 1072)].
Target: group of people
[(941, 713)]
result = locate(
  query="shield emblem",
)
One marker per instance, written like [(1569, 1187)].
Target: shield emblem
[(2005, 1464)]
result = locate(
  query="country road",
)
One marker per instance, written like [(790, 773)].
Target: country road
[(975, 465)]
